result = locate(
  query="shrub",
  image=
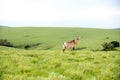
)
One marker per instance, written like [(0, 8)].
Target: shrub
[(115, 43), (5, 42), (107, 37), (26, 46), (108, 46)]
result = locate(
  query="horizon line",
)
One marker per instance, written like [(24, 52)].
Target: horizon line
[(56, 27)]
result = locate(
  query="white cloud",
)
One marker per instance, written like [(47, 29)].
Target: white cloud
[(25, 10), (48, 12)]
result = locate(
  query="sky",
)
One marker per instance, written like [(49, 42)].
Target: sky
[(60, 13)]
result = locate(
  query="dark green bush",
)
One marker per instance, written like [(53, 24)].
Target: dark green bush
[(108, 46), (27, 46), (115, 43), (5, 42)]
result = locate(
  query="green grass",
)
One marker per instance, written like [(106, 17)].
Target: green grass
[(19, 64), (48, 62), (53, 38)]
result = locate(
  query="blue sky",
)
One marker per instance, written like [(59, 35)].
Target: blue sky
[(64, 13)]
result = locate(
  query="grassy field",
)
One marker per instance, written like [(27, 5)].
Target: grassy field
[(48, 62), (19, 64), (53, 38)]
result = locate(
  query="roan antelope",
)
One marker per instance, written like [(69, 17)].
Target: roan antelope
[(71, 44)]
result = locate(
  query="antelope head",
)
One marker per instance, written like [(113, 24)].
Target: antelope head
[(76, 38)]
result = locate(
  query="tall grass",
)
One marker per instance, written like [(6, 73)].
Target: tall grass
[(19, 64)]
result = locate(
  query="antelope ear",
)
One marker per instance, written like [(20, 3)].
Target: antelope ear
[(78, 37)]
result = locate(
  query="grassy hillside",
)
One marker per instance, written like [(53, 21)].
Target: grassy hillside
[(53, 38), (47, 61), (20, 64)]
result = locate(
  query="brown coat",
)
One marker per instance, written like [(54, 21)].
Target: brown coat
[(70, 44)]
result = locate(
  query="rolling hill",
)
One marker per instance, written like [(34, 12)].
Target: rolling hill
[(53, 38), (46, 61)]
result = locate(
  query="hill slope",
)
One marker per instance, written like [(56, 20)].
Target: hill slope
[(53, 38), (46, 61)]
